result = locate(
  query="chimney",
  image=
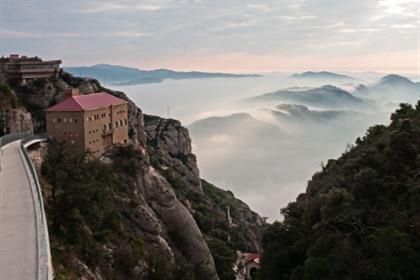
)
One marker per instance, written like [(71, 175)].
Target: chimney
[(75, 91), (71, 92)]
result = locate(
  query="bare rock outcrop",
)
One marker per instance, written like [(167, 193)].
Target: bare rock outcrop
[(179, 223), (169, 143), (18, 120)]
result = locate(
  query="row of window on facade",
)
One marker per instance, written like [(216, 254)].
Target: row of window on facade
[(70, 120), (30, 67), (70, 134), (96, 117), (109, 126), (102, 115), (94, 141)]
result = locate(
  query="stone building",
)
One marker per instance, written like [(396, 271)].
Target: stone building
[(23, 68), (92, 122)]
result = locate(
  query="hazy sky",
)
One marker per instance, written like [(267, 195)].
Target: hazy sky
[(234, 35)]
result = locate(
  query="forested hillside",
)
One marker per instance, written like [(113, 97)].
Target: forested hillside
[(360, 216)]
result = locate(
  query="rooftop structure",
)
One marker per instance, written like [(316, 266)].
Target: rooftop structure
[(247, 265), (93, 122), (23, 68)]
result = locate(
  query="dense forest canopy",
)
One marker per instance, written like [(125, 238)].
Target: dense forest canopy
[(360, 216)]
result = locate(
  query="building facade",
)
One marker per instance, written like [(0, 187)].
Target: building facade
[(89, 123), (247, 266), (24, 68)]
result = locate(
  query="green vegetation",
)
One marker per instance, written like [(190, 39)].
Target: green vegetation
[(359, 217), (7, 97), (211, 219), (209, 211), (84, 216), (89, 210)]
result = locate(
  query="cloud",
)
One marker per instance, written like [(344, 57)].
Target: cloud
[(175, 33), (50, 35), (101, 7)]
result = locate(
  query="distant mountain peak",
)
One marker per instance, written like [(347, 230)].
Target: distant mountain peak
[(321, 75), (394, 78), (327, 96)]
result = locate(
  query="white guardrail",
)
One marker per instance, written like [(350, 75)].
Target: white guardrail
[(45, 270)]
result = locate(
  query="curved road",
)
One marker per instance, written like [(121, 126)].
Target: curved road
[(18, 229)]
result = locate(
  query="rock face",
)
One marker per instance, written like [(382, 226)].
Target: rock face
[(13, 116), (169, 144), (179, 222), (167, 205), (18, 120)]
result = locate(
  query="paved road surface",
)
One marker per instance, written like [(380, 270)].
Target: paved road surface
[(18, 239)]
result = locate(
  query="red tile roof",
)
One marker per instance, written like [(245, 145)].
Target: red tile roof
[(252, 257), (87, 102)]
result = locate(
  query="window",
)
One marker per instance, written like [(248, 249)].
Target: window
[(59, 120), (65, 119), (104, 128), (116, 124), (125, 121), (70, 120), (75, 120), (121, 122), (53, 120)]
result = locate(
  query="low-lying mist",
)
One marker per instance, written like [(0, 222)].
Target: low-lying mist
[(266, 149)]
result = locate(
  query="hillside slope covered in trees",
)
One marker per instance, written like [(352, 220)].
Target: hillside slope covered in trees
[(360, 216)]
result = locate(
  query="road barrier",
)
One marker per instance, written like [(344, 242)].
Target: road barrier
[(8, 138)]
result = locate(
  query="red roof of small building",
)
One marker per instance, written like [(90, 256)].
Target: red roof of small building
[(252, 257), (86, 102)]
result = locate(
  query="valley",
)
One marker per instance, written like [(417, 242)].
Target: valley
[(264, 137)]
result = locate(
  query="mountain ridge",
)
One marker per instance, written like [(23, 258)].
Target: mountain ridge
[(321, 75), (327, 96), (122, 75)]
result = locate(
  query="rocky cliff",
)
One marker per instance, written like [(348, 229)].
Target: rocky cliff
[(13, 116), (140, 212)]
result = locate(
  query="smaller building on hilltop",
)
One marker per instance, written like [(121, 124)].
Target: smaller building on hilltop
[(89, 123), (247, 266), (23, 68)]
